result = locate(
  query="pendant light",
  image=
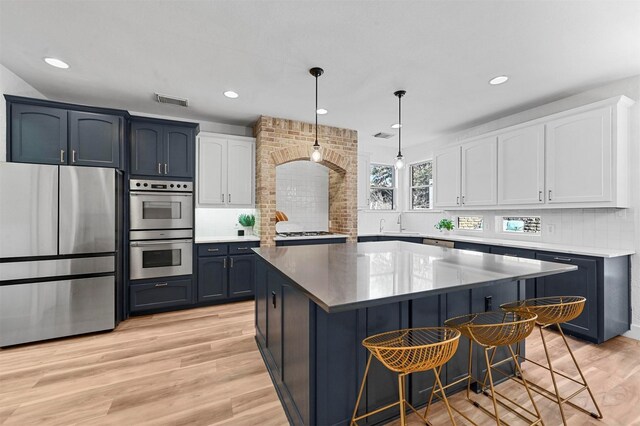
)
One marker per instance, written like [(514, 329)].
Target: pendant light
[(399, 158), (316, 155)]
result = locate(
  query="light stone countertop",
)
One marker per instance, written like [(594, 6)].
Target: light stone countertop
[(227, 239), (531, 245), (341, 277)]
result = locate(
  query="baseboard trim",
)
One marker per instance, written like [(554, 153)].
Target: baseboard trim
[(634, 333)]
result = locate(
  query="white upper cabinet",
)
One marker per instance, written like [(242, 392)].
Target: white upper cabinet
[(446, 178), (521, 166), (579, 158), (226, 174), (212, 170), (572, 159), (479, 172), (240, 155)]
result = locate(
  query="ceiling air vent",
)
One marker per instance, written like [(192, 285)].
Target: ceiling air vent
[(383, 135), (171, 100)]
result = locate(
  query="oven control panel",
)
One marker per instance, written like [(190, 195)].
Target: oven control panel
[(160, 185)]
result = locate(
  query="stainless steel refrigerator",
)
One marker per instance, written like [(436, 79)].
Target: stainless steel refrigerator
[(57, 251)]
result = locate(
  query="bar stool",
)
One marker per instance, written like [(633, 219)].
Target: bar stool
[(554, 311), (409, 351), (490, 330)]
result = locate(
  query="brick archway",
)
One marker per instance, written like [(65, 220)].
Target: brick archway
[(280, 141)]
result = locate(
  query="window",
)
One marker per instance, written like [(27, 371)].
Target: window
[(421, 185), (382, 187), (522, 224), (470, 223)]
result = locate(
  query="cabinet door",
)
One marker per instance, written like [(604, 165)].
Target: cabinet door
[(94, 139), (578, 158), (212, 171), (521, 166), (38, 134), (480, 173), (242, 275), (582, 282), (146, 149), (446, 172), (178, 151), (212, 278), (240, 161)]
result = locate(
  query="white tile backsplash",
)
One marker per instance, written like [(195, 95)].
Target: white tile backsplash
[(218, 222), (302, 193)]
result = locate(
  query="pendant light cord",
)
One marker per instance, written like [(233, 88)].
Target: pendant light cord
[(316, 143), (400, 128)]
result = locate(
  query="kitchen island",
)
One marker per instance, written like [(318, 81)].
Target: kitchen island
[(315, 304)]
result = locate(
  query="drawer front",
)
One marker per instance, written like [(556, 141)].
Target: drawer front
[(212, 249), (159, 294), (513, 252), (243, 248)]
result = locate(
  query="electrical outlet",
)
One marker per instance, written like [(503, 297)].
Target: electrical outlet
[(621, 213)]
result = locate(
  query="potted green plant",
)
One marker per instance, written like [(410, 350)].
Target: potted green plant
[(247, 221), (444, 225)]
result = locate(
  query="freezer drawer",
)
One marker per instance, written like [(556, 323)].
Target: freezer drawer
[(87, 210), (46, 310), (28, 210)]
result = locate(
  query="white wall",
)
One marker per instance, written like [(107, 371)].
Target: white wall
[(606, 228), (11, 84), (302, 193), (218, 222)]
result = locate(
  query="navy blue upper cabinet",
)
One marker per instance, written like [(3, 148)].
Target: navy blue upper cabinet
[(147, 157), (179, 151), (48, 132), (38, 134), (94, 139), (162, 149)]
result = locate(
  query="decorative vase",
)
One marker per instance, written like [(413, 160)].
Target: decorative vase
[(248, 230)]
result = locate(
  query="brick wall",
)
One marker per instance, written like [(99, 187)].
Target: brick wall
[(280, 141)]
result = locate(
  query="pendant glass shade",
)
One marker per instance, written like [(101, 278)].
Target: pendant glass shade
[(399, 162), (316, 155)]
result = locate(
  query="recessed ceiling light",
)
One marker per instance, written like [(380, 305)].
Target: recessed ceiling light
[(56, 63), (321, 111), (396, 125), (498, 80), (231, 94)]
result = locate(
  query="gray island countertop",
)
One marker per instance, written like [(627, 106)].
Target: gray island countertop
[(340, 277)]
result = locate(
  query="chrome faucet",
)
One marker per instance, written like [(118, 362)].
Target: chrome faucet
[(399, 222), (382, 225)]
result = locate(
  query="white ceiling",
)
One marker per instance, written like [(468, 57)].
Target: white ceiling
[(441, 52)]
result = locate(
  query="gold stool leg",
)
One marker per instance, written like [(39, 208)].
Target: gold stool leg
[(444, 398), (524, 382), (584, 380), (553, 378), (493, 392), (403, 420), (436, 371), (364, 379)]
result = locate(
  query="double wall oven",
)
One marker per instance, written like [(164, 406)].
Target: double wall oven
[(161, 229)]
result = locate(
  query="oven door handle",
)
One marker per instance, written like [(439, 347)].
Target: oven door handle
[(158, 243), (163, 194)]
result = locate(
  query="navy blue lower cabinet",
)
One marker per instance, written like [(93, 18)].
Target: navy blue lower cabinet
[(241, 275), (316, 359), (473, 247), (160, 294), (582, 282), (212, 278)]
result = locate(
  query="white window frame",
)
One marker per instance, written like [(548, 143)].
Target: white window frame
[(411, 187), (394, 185)]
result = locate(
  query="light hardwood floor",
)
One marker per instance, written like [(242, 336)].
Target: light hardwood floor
[(202, 367)]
